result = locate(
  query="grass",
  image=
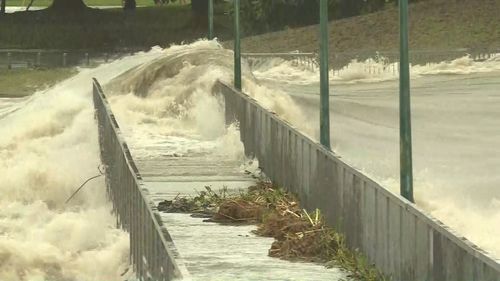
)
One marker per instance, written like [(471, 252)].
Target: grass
[(24, 82), (434, 25), (46, 3), (299, 235), (108, 29)]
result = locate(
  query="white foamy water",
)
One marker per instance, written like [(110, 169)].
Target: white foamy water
[(455, 133), (176, 130), (167, 102), (370, 70), (48, 147)]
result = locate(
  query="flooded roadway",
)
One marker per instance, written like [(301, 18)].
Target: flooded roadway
[(455, 117)]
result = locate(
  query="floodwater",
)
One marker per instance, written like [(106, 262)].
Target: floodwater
[(455, 115), (176, 132), (48, 146)]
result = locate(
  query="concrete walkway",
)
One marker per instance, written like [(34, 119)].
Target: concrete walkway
[(213, 251)]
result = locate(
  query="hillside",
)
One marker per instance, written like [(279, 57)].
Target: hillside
[(434, 25)]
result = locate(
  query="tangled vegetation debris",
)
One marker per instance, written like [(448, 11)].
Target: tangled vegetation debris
[(299, 235)]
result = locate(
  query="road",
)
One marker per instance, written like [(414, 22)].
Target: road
[(455, 135)]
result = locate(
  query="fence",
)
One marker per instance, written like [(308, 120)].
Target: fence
[(305, 60), (376, 62), (394, 234), (15, 58), (417, 57), (152, 251)]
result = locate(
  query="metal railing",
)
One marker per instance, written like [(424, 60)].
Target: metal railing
[(374, 62), (304, 60), (417, 57), (403, 241), (152, 251), (18, 58)]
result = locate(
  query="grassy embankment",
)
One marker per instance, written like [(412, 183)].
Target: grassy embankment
[(23, 82), (434, 25), (108, 29), (46, 3), (101, 30)]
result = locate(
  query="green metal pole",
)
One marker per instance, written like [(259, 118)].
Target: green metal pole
[(210, 19), (237, 46), (324, 118), (406, 170)]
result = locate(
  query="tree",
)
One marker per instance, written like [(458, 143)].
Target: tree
[(68, 5), (75, 6), (2, 6), (200, 13), (349, 8), (129, 5)]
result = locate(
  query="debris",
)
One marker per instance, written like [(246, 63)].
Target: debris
[(299, 235)]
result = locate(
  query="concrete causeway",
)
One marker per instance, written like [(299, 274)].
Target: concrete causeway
[(212, 251)]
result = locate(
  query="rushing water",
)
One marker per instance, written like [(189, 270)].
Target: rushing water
[(48, 146), (455, 133), (177, 133)]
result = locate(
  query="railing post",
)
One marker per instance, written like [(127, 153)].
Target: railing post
[(324, 81), (64, 59), (38, 59), (210, 19), (9, 61), (237, 46), (406, 170)]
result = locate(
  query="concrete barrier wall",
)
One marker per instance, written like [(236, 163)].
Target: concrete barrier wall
[(152, 251), (400, 239)]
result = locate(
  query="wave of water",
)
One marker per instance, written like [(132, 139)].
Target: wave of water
[(171, 97), (171, 94), (48, 147)]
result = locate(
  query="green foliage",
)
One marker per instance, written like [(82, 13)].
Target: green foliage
[(106, 30), (24, 82), (299, 235), (267, 15), (264, 15), (46, 3)]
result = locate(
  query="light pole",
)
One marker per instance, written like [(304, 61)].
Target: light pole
[(406, 169), (237, 46), (324, 116)]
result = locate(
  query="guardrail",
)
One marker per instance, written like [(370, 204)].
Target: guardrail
[(417, 57), (306, 60), (152, 251), (374, 62), (15, 58), (403, 241)]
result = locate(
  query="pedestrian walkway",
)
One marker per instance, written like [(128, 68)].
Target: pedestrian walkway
[(212, 251)]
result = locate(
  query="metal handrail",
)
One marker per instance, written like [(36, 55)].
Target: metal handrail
[(152, 251)]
